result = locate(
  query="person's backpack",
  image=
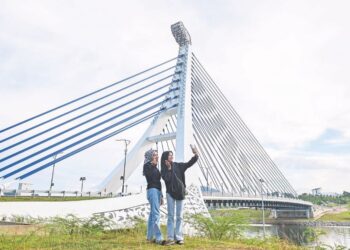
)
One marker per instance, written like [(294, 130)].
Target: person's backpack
[(177, 188)]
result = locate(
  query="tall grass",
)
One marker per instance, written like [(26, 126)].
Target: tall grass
[(337, 217), (97, 232), (72, 224), (220, 227), (72, 232)]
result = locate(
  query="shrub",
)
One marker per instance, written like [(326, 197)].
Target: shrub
[(219, 227), (72, 224)]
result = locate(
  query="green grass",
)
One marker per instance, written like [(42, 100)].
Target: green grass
[(124, 239), (128, 240), (252, 215), (339, 217), (40, 198), (75, 233)]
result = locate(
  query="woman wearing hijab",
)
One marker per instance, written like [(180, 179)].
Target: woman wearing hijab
[(154, 196), (173, 173)]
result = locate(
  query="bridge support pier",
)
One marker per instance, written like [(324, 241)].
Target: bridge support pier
[(291, 213)]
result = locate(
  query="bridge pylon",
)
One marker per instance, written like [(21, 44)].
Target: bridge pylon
[(179, 114)]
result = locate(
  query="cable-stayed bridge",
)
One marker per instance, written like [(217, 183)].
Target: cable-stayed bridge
[(184, 106)]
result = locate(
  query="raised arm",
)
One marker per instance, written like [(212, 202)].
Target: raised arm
[(190, 163), (193, 160)]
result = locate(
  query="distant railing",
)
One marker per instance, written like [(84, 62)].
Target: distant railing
[(244, 195), (267, 197), (63, 193)]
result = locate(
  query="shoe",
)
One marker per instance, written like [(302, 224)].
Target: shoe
[(180, 242), (151, 241), (168, 242)]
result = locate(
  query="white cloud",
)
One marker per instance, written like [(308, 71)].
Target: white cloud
[(310, 170)]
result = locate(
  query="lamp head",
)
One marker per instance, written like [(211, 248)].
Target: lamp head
[(180, 33)]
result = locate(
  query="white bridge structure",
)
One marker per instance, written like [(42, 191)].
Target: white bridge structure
[(184, 106)]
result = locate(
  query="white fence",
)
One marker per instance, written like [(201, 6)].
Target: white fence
[(53, 193)]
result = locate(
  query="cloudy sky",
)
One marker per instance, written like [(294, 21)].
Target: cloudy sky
[(284, 66)]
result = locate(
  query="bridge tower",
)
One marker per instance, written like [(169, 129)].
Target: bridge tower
[(182, 113)]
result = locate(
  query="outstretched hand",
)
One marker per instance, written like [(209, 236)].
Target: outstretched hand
[(194, 150)]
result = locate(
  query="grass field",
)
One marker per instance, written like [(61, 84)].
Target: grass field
[(36, 238), (125, 240), (339, 217), (252, 215), (73, 233)]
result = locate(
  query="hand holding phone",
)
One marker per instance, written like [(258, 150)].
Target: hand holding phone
[(194, 149)]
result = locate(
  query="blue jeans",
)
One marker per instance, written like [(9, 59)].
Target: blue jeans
[(153, 228), (172, 203)]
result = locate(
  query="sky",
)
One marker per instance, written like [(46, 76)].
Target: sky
[(283, 65)]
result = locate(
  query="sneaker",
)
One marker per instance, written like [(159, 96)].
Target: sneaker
[(161, 242), (180, 242), (151, 241), (169, 242)]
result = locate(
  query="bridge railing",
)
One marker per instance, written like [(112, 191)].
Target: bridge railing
[(222, 196), (56, 193), (245, 195)]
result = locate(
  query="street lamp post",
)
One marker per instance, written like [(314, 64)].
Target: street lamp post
[(82, 179), (53, 172), (207, 178), (127, 142), (262, 207)]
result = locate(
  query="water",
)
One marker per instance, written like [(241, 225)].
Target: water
[(300, 234)]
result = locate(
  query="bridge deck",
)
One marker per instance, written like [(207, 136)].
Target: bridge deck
[(255, 201)]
